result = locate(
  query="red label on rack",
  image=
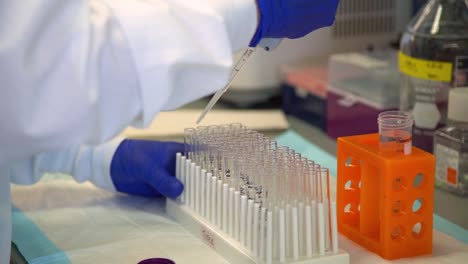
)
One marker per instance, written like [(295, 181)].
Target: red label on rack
[(208, 237)]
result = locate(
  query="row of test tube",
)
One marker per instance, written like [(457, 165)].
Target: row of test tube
[(268, 198)]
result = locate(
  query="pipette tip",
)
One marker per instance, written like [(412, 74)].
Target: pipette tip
[(200, 118)]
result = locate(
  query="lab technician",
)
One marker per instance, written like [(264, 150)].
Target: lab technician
[(73, 74)]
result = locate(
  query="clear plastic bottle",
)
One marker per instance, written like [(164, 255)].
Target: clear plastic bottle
[(433, 59), (451, 145)]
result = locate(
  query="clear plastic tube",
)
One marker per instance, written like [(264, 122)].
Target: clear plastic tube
[(188, 142), (395, 132)]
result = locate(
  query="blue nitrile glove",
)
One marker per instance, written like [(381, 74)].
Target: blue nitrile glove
[(146, 168), (293, 18)]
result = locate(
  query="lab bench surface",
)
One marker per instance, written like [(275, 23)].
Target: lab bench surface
[(447, 205), (450, 207), (115, 228)]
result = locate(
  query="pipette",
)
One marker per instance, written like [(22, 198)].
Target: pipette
[(267, 44), (220, 93)]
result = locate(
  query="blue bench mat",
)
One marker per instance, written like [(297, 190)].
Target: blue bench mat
[(33, 244)]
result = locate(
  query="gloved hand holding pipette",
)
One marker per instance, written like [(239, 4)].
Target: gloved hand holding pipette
[(280, 19), (293, 18)]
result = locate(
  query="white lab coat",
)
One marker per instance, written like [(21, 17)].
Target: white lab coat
[(74, 72)]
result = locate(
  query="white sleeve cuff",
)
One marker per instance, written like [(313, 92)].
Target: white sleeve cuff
[(84, 163), (92, 163)]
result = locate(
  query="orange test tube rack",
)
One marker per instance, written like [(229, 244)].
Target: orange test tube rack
[(385, 201)]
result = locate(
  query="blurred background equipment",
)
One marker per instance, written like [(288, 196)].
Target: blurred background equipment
[(433, 59), (451, 145), (344, 95), (361, 86), (359, 24)]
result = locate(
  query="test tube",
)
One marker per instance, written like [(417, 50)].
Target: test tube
[(333, 223), (395, 132), (213, 158), (298, 169), (200, 145), (262, 177), (325, 186), (266, 180), (188, 142), (228, 164), (321, 215), (309, 207)]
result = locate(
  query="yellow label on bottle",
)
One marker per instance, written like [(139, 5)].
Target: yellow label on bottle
[(425, 69)]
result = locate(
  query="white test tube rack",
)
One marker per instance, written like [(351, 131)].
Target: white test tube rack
[(243, 241)]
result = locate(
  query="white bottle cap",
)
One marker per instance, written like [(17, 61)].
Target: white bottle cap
[(458, 105)]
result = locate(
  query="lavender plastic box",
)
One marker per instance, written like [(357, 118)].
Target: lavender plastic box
[(361, 85)]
